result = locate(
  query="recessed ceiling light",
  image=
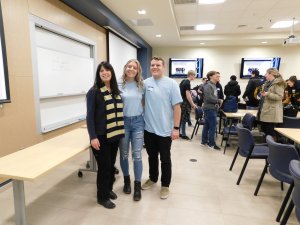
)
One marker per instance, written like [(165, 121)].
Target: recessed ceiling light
[(284, 24), (205, 26), (264, 42), (202, 43), (142, 12), (208, 2), (158, 35)]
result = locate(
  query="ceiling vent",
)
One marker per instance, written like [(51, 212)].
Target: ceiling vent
[(183, 28), (185, 2), (141, 22)]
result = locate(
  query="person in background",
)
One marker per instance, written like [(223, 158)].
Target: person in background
[(105, 126), (232, 88), (210, 107), (132, 89), (162, 119), (292, 93), (187, 104), (199, 90), (270, 110), (219, 88), (248, 95)]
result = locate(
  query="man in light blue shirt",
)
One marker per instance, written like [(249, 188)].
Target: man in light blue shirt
[(162, 119)]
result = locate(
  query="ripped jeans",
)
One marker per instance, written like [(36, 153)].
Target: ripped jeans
[(134, 134)]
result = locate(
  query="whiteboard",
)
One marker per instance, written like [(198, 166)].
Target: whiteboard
[(60, 112), (120, 52), (64, 70), (63, 74)]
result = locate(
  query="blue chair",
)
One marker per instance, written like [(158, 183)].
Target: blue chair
[(247, 122), (295, 172), (278, 161), (248, 149), (199, 116)]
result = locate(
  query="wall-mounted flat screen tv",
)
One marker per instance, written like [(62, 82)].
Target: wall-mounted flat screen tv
[(261, 64), (178, 68)]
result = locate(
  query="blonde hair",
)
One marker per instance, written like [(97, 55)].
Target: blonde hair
[(138, 78), (274, 72), (191, 73)]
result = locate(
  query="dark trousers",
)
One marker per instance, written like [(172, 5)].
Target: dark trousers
[(268, 128), (159, 145), (106, 158)]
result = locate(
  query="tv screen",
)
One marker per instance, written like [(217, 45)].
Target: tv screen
[(178, 68), (261, 64)]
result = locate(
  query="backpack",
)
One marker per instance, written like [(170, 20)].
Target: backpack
[(256, 93), (230, 104)]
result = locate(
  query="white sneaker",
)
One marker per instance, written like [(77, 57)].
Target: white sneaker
[(164, 192)]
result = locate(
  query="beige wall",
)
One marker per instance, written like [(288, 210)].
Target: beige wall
[(227, 60), (17, 119)]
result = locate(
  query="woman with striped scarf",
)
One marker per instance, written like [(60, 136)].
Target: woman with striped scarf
[(105, 125)]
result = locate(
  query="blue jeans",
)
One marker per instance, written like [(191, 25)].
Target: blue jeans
[(210, 126), (134, 134)]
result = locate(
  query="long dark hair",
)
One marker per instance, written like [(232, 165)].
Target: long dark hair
[(113, 82)]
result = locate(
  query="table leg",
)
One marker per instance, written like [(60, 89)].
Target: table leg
[(19, 200)]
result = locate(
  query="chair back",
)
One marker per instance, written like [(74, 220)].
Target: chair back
[(245, 140), (248, 121), (280, 156), (291, 122), (295, 172), (199, 113)]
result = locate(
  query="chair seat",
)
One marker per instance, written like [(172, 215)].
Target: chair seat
[(259, 152), (232, 130), (277, 174)]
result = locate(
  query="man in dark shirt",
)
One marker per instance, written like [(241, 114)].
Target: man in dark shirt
[(187, 104), (253, 83)]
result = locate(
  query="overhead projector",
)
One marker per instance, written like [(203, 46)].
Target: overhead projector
[(291, 40)]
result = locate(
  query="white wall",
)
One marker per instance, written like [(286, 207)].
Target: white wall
[(227, 60)]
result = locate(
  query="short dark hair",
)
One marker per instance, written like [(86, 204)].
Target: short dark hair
[(233, 77), (293, 79), (255, 72)]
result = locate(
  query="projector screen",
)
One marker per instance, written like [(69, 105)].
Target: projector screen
[(119, 52)]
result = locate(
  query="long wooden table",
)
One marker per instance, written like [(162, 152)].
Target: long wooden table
[(291, 133), (32, 162)]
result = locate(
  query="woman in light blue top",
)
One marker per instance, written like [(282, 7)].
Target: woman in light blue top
[(131, 89)]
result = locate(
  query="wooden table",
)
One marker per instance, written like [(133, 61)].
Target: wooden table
[(240, 113), (291, 133), (231, 116), (32, 162)]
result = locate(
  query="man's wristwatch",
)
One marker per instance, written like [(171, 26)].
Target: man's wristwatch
[(176, 128)]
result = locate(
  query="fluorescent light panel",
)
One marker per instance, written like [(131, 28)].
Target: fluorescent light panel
[(142, 12), (284, 24), (205, 26), (210, 2)]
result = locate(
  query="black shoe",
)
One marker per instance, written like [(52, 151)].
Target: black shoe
[(107, 204), (185, 137), (116, 170), (127, 187), (137, 195), (113, 195), (180, 135)]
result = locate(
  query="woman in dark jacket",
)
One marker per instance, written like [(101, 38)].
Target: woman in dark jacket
[(105, 124)]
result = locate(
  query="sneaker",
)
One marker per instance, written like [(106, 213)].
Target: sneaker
[(185, 137), (148, 184), (164, 192), (214, 147), (203, 144)]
